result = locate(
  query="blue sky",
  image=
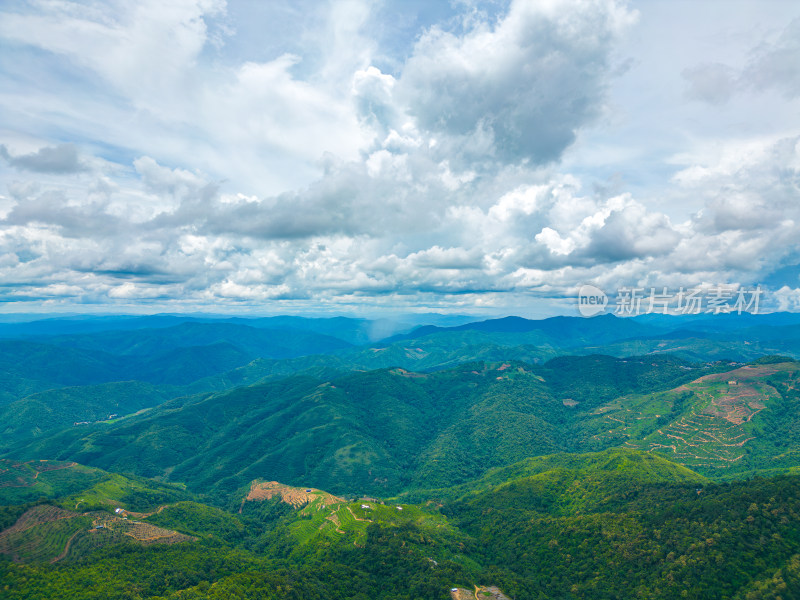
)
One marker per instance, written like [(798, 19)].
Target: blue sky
[(373, 156)]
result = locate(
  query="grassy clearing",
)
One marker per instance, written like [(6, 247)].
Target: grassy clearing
[(124, 492)]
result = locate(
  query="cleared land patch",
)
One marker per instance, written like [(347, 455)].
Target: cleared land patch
[(705, 423), (491, 592), (296, 496), (25, 474), (50, 533)]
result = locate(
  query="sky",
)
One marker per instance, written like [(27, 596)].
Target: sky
[(369, 156)]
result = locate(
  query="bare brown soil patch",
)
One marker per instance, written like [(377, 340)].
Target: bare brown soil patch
[(42, 466), (142, 532), (145, 532), (297, 497), (491, 592), (410, 374), (747, 373), (334, 518)]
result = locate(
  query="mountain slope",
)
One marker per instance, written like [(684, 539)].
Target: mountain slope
[(604, 534), (364, 431), (721, 424), (556, 331), (74, 486), (616, 524), (256, 342), (43, 412), (29, 367), (379, 432)]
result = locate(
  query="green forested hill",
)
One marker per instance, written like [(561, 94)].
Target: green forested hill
[(29, 367), (594, 535), (184, 357), (616, 524), (623, 463), (39, 413), (389, 430), (256, 342), (496, 460), (724, 424), (377, 432)]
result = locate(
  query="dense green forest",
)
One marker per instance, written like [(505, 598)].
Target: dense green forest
[(361, 432), (304, 459), (617, 524)]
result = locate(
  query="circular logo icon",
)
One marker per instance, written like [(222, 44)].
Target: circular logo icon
[(591, 300)]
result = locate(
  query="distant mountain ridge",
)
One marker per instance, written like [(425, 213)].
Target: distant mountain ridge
[(570, 331), (212, 355)]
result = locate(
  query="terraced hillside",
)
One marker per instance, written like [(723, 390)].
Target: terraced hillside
[(47, 533), (266, 490), (722, 423), (322, 516)]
